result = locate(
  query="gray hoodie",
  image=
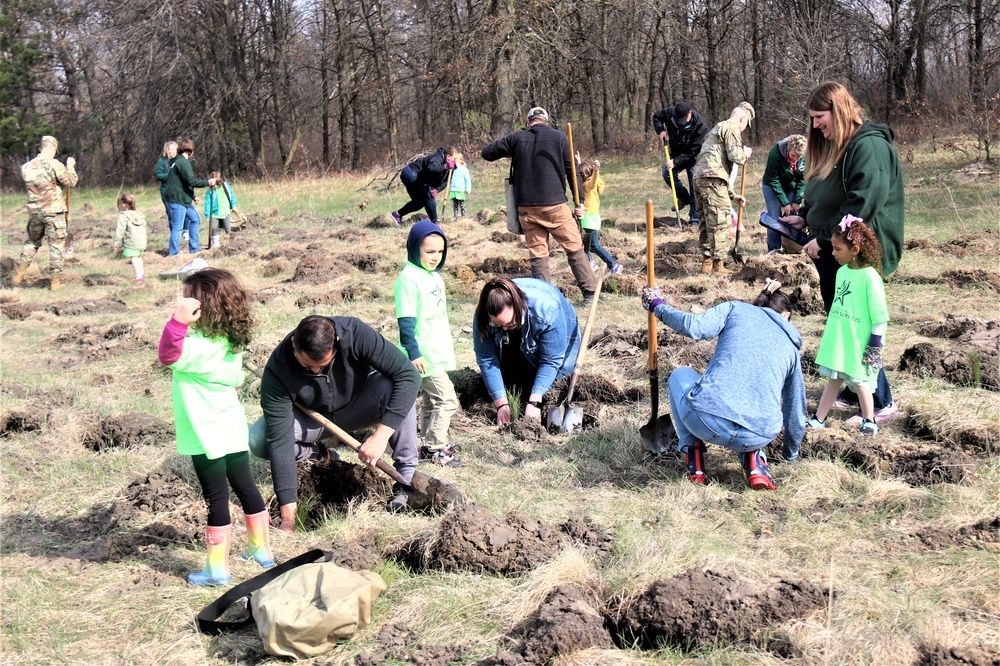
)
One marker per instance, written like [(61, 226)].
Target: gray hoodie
[(755, 376)]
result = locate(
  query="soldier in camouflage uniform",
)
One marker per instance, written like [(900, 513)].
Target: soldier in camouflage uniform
[(46, 208), (722, 149)]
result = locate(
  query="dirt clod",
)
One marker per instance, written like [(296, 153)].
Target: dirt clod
[(568, 620), (938, 655), (100, 306), (19, 420), (128, 431), (984, 533), (703, 607), (316, 268), (398, 644)]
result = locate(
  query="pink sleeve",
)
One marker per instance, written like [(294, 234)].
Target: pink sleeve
[(172, 341)]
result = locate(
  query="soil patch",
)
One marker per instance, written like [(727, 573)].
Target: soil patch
[(503, 266), (240, 244), (971, 278), (916, 464), (974, 435), (383, 221), (567, 621), (98, 280), (526, 430), (937, 655), (322, 298), (955, 326), (100, 306), (367, 262), (985, 533), (708, 608), (471, 538), (274, 267), (789, 270), (127, 431), (88, 344), (359, 292), (973, 365), (316, 268), (350, 235), (356, 554), (288, 251), (398, 644), (504, 237), (22, 420), (18, 311)]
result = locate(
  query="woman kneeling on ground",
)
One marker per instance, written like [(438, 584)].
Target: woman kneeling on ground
[(525, 335), (752, 387)]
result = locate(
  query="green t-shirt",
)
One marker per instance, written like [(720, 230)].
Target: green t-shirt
[(209, 417), (420, 294), (858, 304)]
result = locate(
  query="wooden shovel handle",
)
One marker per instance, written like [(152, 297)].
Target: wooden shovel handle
[(586, 336), (651, 282), (743, 185), (572, 164), (338, 432)]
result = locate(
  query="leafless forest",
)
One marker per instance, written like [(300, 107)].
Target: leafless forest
[(267, 87)]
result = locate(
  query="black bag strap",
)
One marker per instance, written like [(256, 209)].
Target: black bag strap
[(208, 618), (225, 190)]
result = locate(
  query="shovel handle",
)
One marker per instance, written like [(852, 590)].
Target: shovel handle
[(743, 186), (447, 188), (338, 432), (572, 164), (654, 371), (586, 337)]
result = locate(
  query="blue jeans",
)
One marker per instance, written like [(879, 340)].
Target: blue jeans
[(773, 208), (590, 243), (182, 216), (420, 195), (691, 424), (683, 196)]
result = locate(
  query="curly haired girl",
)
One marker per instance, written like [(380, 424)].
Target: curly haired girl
[(851, 348), (211, 423)]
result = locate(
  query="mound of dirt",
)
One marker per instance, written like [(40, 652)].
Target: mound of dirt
[(955, 326), (334, 484), (240, 244), (503, 266), (367, 262), (22, 420), (98, 280), (317, 268), (789, 270), (18, 311), (359, 292), (978, 436), (160, 492), (100, 306), (916, 464), (274, 267), (87, 344), (567, 621), (383, 221), (504, 237), (972, 365), (471, 538), (972, 277), (127, 431), (356, 554), (351, 235), (938, 655), (398, 644), (708, 608), (985, 533)]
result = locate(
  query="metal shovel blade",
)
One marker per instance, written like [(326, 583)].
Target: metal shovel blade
[(659, 436)]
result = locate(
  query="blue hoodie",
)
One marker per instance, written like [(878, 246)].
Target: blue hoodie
[(418, 232), (755, 375)]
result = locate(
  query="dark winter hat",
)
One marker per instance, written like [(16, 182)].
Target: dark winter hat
[(681, 111), (538, 112)]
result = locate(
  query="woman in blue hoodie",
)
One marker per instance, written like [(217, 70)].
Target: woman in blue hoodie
[(745, 396), (525, 335)]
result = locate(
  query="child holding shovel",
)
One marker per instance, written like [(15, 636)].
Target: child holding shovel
[(425, 336), (131, 232), (203, 345)]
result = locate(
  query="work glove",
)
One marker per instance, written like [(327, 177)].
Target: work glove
[(651, 297), (434, 193), (872, 358)]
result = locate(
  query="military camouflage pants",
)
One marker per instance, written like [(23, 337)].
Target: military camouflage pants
[(715, 208), (51, 227)]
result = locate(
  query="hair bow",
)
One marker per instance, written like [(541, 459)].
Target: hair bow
[(771, 286), (845, 224)]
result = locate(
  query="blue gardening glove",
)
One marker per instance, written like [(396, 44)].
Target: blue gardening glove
[(651, 297), (872, 358)]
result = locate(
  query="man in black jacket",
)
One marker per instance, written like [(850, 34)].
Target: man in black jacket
[(685, 129), (541, 168), (341, 368)]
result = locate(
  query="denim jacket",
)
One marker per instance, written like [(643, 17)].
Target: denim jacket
[(550, 339)]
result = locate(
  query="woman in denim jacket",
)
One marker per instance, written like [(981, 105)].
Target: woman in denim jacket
[(525, 335)]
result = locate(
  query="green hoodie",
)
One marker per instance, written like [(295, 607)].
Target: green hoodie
[(866, 182)]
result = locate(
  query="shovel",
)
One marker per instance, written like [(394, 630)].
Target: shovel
[(673, 186), (734, 254), (570, 417), (656, 433), (572, 162), (446, 490)]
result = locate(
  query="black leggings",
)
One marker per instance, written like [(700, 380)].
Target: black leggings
[(515, 368), (213, 475)]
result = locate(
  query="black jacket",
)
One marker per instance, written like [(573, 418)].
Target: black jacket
[(685, 141), (540, 163), (432, 170), (359, 350)]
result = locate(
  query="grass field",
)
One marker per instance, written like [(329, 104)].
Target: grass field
[(906, 533)]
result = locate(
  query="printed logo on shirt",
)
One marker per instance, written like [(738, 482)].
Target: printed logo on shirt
[(843, 292)]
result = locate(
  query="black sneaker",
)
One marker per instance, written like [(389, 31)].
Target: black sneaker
[(696, 462), (400, 501), (588, 299)]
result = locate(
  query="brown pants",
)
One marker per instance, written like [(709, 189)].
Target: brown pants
[(540, 222)]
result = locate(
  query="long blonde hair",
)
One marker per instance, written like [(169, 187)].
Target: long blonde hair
[(822, 154)]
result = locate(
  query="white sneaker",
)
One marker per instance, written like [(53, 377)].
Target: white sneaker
[(184, 235)]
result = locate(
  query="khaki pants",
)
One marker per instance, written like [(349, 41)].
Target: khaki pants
[(715, 208), (438, 403), (540, 222), (51, 227)]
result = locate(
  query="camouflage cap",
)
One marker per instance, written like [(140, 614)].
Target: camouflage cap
[(748, 109), (48, 138)]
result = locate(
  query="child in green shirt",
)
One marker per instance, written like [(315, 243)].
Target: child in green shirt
[(851, 348), (425, 336), (130, 231)]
